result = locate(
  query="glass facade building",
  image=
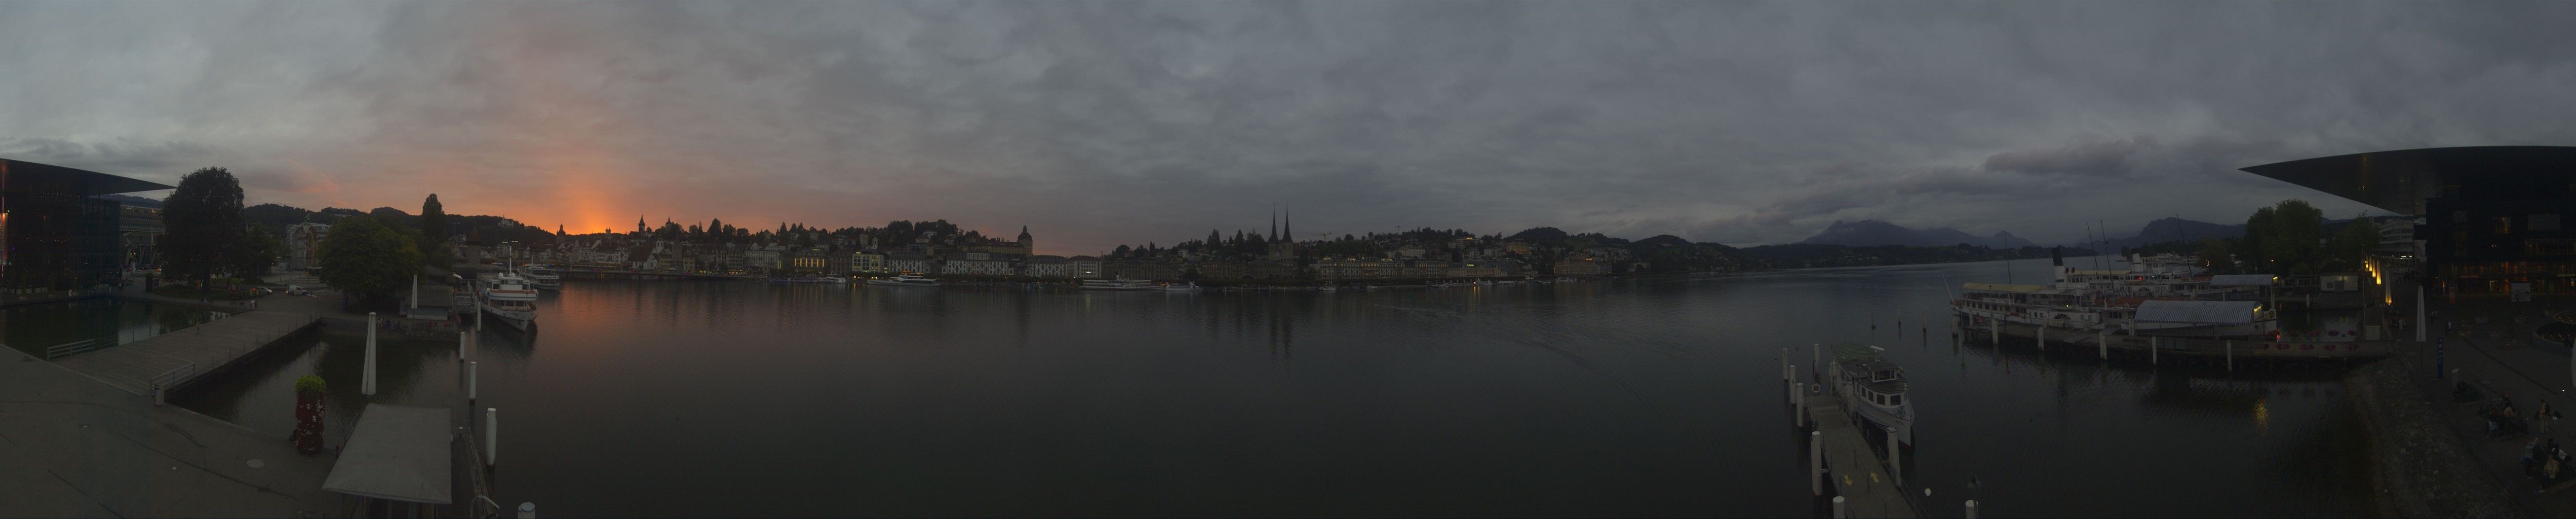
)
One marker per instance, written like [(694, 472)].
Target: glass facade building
[(54, 233), (2488, 217)]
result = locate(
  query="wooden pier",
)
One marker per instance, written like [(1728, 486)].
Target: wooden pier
[(1853, 469), (177, 358)]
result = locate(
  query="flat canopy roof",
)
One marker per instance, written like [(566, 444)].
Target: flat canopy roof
[(2197, 312), (29, 177), (2399, 180), (399, 453), (2241, 280)]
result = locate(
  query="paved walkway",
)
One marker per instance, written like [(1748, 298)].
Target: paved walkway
[(1855, 469), (72, 447), (2492, 349), (179, 357)]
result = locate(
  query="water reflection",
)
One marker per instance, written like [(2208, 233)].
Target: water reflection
[(1648, 397)]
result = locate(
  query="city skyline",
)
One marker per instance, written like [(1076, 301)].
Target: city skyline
[(1116, 124)]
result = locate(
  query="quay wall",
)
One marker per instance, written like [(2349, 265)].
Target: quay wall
[(2419, 468)]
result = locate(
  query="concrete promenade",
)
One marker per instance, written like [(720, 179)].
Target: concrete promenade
[(177, 358), (1855, 471), (2492, 350), (73, 447)]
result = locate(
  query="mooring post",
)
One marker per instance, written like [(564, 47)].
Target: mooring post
[(2102, 338), (1838, 508), (1816, 463), (460, 346), (368, 386), (1895, 461), (1799, 399), (491, 437), (2041, 331), (527, 511), (2154, 347), (472, 380), (1972, 509), (1996, 326)]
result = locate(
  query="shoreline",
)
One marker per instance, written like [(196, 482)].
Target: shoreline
[(2417, 467)]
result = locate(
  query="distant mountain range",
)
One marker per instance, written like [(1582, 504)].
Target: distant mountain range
[(1868, 233)]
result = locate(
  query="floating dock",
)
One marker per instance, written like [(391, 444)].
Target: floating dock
[(1853, 470)]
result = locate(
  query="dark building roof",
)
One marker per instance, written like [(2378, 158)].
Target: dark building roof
[(29, 177), (2399, 180)]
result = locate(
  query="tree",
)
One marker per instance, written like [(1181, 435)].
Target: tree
[(2346, 250), (2285, 236), (2213, 253), (204, 224), (258, 250), (433, 221), (366, 258)]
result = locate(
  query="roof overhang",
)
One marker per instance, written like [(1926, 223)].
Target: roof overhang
[(29, 177), (399, 453), (2399, 180)]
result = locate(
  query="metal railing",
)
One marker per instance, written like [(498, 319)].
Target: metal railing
[(76, 347), (162, 383)]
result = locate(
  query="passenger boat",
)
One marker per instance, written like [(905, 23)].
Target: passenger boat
[(906, 280), (1118, 284), (545, 277), (508, 296), (1181, 287), (837, 280), (1874, 389)]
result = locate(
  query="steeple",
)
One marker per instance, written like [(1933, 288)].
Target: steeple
[(1274, 224), (1288, 225), (639, 224)]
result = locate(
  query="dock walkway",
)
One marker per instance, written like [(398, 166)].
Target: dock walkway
[(177, 358), (1853, 467)]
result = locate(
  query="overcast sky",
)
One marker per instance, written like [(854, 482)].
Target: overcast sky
[(1104, 123)]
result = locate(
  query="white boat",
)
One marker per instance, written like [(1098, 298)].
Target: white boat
[(1181, 287), (544, 277), (906, 280), (1119, 284), (509, 297), (837, 280), (1874, 389)]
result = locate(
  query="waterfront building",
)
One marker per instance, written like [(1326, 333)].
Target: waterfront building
[(1476, 269), (867, 262), (1047, 266), (139, 224), (1151, 271), (2490, 218), (835, 263), (762, 259), (1581, 266), (1083, 267), (808, 261), (54, 233), (302, 240), (908, 262), (985, 267)]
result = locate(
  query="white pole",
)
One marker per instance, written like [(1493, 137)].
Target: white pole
[(491, 438), (1799, 398), (472, 380), (369, 385), (415, 291), (1816, 463), (1838, 508), (460, 345), (527, 511), (1972, 509)]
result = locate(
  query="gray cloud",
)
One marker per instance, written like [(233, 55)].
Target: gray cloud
[(1104, 123)]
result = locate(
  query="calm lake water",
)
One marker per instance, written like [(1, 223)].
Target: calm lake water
[(1632, 398)]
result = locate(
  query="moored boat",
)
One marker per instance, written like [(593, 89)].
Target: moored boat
[(508, 296), (1874, 389), (906, 280), (1118, 284)]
